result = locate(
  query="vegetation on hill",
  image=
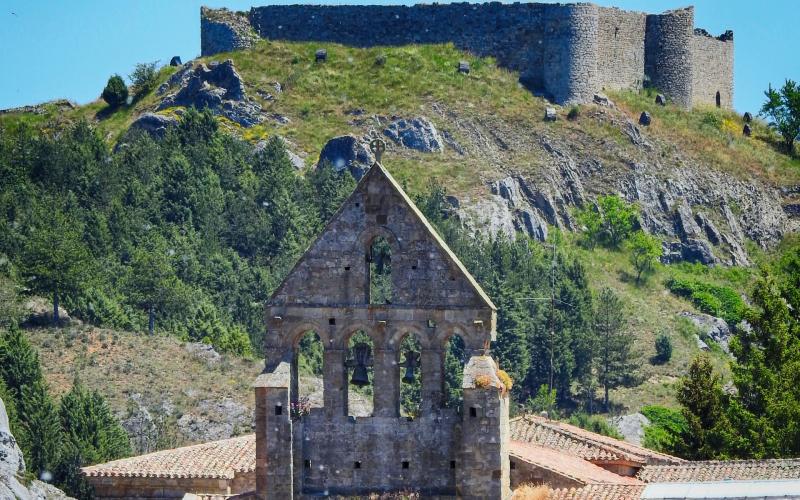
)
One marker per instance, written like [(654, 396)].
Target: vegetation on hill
[(186, 236)]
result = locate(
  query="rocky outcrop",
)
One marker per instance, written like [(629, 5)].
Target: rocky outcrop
[(417, 133), (219, 88), (347, 152), (12, 469), (154, 124), (222, 30), (631, 427), (216, 420), (716, 329)]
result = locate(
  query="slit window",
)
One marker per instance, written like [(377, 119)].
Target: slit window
[(279, 410), (307, 464), (473, 412)]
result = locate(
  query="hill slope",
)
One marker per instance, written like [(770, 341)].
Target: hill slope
[(697, 182)]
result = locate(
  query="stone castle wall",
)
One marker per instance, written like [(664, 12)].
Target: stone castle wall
[(566, 52), (713, 69)]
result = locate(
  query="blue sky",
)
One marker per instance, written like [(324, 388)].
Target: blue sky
[(69, 48)]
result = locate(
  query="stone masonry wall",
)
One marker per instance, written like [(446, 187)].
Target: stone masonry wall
[(668, 54), (713, 69), (620, 51), (565, 52)]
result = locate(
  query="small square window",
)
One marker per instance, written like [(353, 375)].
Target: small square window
[(356, 464), (346, 268), (414, 267), (307, 464), (358, 204), (279, 410), (452, 464), (381, 218), (331, 321), (405, 464), (473, 412)]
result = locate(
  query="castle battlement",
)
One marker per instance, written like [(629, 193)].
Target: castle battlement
[(567, 52)]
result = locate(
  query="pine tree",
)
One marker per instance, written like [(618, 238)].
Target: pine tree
[(42, 431), (614, 361)]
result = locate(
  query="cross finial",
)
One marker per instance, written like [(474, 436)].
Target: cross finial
[(378, 147)]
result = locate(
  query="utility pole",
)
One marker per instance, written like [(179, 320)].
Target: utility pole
[(552, 298)]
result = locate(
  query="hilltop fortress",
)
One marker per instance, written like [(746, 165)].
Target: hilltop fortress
[(566, 52)]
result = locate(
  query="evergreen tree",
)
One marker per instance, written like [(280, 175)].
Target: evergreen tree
[(41, 440), (55, 259), (614, 360)]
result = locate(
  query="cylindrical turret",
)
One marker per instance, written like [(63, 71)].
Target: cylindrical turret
[(570, 73), (668, 54)]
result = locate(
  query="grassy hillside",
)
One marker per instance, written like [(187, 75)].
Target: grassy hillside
[(500, 125)]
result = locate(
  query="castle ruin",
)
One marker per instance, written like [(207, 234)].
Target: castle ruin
[(566, 52), (442, 452)]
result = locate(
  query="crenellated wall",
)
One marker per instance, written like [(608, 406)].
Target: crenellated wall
[(566, 52)]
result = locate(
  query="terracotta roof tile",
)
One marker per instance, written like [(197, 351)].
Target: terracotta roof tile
[(599, 492), (721, 470), (582, 443), (565, 464), (217, 459)]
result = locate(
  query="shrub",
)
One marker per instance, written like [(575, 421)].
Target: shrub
[(665, 425), (505, 378), (574, 113), (594, 423), (144, 77), (116, 92), (663, 348), (717, 300), (483, 381)]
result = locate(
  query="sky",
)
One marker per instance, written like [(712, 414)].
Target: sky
[(68, 49)]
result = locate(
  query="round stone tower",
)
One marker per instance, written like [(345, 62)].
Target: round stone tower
[(668, 54)]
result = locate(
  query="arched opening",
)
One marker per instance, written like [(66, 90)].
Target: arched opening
[(360, 375), (719, 100), (455, 357), (307, 370), (379, 271), (410, 376)]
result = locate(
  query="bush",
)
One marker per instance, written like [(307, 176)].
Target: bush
[(144, 77), (663, 348), (505, 378), (594, 423), (711, 299), (574, 113), (116, 92), (665, 425)]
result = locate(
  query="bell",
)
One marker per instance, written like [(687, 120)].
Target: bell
[(408, 378), (411, 363), (360, 376), (361, 360)]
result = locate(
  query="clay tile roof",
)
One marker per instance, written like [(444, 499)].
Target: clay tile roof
[(217, 459), (582, 443), (719, 470), (599, 492), (566, 465)]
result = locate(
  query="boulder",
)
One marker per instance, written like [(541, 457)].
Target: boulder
[(747, 117), (645, 119), (635, 135), (700, 344), (508, 189), (631, 427), (602, 100), (550, 114), (347, 152), (661, 100), (154, 124), (321, 55), (417, 133), (175, 61), (746, 130), (463, 67), (204, 352)]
